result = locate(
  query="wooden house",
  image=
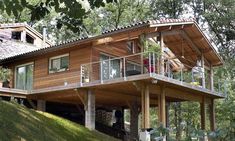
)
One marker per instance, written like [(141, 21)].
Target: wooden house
[(142, 65)]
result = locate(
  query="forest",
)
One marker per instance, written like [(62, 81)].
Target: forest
[(68, 20)]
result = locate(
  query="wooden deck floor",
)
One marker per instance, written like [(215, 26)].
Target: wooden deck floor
[(118, 91)]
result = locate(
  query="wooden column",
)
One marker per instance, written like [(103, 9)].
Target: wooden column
[(162, 107), (203, 114), (203, 68), (167, 114), (134, 116), (145, 106), (162, 52), (90, 110), (212, 115), (41, 105)]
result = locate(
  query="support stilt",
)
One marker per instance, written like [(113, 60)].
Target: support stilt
[(90, 110)]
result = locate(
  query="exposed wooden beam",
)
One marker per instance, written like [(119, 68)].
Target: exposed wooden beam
[(185, 36), (81, 93)]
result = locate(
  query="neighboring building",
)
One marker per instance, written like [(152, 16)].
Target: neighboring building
[(115, 71), (18, 38)]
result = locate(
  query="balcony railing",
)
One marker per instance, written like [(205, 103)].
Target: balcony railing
[(145, 63)]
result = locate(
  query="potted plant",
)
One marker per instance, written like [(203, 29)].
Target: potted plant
[(5, 75), (86, 74), (150, 48), (53, 70)]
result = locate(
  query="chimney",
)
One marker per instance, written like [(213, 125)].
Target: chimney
[(44, 32)]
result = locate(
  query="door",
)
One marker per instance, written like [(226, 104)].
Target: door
[(24, 77)]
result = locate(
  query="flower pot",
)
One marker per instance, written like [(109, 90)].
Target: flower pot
[(86, 80)]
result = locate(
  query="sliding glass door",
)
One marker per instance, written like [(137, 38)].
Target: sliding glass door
[(110, 69), (24, 77)]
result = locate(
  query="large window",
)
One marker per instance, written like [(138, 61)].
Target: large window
[(24, 77), (110, 68), (59, 63)]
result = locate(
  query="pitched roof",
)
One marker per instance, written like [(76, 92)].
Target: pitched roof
[(148, 23), (9, 48)]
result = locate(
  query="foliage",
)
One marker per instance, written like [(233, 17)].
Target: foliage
[(149, 46), (20, 123), (73, 20), (5, 74), (71, 12)]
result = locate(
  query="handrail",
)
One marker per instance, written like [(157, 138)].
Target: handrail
[(97, 71)]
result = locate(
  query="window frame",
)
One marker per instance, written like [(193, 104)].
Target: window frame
[(58, 57)]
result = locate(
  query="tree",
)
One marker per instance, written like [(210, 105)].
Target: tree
[(71, 12)]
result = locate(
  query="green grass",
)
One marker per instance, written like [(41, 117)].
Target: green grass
[(18, 123)]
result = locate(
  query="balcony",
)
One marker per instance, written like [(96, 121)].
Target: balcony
[(145, 64)]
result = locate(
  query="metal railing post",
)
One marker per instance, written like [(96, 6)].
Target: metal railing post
[(124, 68), (101, 72), (181, 72), (109, 68), (150, 67), (154, 63), (192, 75), (168, 67), (81, 75)]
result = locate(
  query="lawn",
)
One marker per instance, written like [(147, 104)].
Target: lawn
[(18, 123)]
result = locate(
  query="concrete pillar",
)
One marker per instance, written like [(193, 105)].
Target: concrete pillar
[(41, 105), (90, 110), (134, 114)]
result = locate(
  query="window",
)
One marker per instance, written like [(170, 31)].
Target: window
[(130, 46), (16, 35), (24, 77), (29, 39), (59, 63)]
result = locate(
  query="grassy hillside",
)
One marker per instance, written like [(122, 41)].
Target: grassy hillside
[(20, 123)]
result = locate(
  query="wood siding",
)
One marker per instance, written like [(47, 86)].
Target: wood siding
[(43, 79)]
